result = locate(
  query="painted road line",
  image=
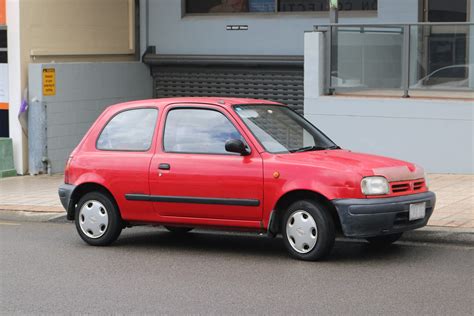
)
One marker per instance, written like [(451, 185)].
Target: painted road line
[(9, 224)]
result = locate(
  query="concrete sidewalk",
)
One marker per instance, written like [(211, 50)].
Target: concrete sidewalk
[(454, 206)]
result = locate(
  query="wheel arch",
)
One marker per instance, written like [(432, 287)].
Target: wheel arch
[(292, 196), (83, 189)]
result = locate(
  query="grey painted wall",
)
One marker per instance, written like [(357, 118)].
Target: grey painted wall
[(83, 91), (437, 134), (268, 34)]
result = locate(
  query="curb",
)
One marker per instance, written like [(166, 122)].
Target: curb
[(428, 228), (29, 216), (441, 235), (428, 234)]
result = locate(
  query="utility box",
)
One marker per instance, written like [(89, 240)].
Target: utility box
[(7, 169)]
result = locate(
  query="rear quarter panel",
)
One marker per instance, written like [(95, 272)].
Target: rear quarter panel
[(120, 172)]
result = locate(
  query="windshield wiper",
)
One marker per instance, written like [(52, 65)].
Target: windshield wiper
[(307, 148), (311, 148)]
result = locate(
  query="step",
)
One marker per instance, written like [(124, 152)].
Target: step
[(7, 169)]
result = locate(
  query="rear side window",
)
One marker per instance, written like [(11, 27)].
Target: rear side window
[(198, 131), (131, 130)]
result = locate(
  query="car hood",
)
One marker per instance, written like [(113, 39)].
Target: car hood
[(364, 164)]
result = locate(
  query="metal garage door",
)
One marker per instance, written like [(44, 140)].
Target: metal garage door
[(277, 80)]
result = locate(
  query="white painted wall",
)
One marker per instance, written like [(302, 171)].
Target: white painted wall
[(3, 83), (437, 134), (314, 64), (268, 34), (14, 87)]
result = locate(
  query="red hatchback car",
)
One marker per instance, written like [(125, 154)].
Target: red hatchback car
[(235, 164)]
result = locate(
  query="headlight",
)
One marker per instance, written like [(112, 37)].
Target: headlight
[(374, 186), (427, 182)]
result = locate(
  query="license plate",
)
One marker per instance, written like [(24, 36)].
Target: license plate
[(417, 211)]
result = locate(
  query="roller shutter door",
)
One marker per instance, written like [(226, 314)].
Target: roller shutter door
[(277, 83)]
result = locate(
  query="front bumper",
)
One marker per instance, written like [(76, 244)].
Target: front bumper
[(65, 192), (381, 216)]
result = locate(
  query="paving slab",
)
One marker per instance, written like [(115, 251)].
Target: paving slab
[(31, 193), (454, 205)]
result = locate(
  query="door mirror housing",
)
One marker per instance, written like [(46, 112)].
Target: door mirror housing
[(236, 146)]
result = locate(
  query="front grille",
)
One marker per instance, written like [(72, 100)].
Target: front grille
[(407, 187), (402, 187), (418, 185)]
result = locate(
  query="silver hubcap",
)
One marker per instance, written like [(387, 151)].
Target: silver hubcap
[(93, 219), (301, 231)]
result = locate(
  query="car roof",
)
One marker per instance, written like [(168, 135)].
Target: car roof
[(220, 101)]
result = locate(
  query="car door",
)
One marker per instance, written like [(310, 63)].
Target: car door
[(192, 175)]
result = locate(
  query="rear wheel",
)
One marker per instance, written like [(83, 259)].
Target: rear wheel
[(178, 229), (384, 240), (308, 230), (97, 219)]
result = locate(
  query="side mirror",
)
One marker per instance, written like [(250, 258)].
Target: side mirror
[(236, 146)]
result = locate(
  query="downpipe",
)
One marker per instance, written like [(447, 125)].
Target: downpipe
[(46, 165)]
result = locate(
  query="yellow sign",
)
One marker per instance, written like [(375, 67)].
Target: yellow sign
[(49, 81)]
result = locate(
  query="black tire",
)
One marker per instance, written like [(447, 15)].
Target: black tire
[(179, 229), (324, 234), (384, 240), (113, 226)]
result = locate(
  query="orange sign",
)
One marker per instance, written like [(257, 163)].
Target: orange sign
[(3, 12), (49, 81)]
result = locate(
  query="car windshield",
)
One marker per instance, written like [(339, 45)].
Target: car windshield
[(281, 130)]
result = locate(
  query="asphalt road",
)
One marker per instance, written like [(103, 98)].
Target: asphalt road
[(46, 268)]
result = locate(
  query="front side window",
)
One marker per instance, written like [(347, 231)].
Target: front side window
[(198, 131), (131, 130), (280, 130)]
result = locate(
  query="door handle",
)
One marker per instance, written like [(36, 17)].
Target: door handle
[(164, 166)]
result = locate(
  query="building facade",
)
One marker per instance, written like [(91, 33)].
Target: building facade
[(397, 80), (57, 31), (253, 48), (253, 42)]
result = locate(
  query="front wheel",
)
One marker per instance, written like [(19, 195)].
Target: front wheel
[(384, 240), (308, 230), (97, 219)]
